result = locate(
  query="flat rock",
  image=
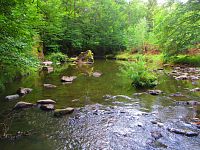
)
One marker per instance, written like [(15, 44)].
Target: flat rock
[(47, 107), (183, 132), (46, 101), (23, 91), (195, 90), (194, 77), (61, 112), (188, 103), (47, 63), (156, 134), (23, 105), (68, 79), (137, 94), (166, 65), (182, 77), (49, 86), (97, 74), (154, 92), (12, 97), (177, 95)]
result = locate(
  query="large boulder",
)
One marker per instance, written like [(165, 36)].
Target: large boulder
[(23, 91), (61, 112), (23, 105), (183, 132), (86, 57), (12, 97)]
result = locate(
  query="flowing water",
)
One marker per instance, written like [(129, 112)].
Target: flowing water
[(99, 121)]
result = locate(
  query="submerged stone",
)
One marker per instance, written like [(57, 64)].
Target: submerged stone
[(68, 79), (23, 91), (97, 74), (182, 77), (195, 90), (183, 132), (23, 105), (61, 112), (46, 101), (176, 95), (156, 134), (49, 86), (12, 97), (188, 103), (154, 92), (47, 107)]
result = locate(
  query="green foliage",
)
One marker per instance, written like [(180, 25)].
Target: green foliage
[(139, 74), (18, 22), (57, 57), (188, 60), (178, 27)]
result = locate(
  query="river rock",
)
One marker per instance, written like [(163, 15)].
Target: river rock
[(46, 101), (195, 90), (156, 134), (176, 95), (12, 97), (182, 77), (194, 77), (166, 65), (188, 103), (61, 112), (97, 74), (49, 86), (47, 107), (48, 69), (23, 105), (47, 63), (68, 79), (137, 94), (154, 92), (23, 91), (183, 132)]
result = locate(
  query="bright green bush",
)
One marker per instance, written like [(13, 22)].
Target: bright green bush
[(139, 74), (57, 57)]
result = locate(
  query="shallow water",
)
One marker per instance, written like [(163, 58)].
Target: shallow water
[(98, 123)]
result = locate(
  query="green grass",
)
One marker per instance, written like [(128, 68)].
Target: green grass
[(188, 60), (154, 61)]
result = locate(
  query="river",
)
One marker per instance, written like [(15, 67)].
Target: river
[(99, 121)]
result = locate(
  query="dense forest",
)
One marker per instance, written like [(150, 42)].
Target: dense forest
[(31, 27)]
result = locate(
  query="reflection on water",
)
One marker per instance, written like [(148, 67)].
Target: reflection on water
[(113, 125)]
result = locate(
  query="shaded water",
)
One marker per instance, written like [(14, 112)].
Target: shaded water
[(112, 124)]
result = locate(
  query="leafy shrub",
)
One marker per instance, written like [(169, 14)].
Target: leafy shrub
[(139, 74), (57, 57)]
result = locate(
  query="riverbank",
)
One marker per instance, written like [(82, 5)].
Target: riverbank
[(159, 59)]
